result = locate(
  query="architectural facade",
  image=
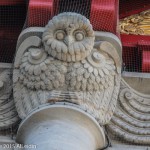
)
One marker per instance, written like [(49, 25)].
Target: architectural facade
[(66, 91)]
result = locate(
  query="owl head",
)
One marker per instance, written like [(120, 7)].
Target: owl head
[(69, 37)]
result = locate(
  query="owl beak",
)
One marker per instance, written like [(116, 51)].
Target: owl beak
[(68, 40)]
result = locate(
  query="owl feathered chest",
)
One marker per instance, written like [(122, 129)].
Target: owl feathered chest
[(66, 63), (53, 74)]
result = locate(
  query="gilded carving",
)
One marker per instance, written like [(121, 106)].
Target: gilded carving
[(138, 24)]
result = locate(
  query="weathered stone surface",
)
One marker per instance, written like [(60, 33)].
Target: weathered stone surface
[(60, 63), (138, 81), (62, 126), (8, 113), (119, 146), (67, 66), (131, 120)]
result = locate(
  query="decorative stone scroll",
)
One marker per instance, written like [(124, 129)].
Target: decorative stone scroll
[(131, 120), (62, 62), (61, 126), (8, 113)]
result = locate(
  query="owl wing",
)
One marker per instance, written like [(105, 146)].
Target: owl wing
[(100, 104), (35, 73), (112, 52), (96, 82)]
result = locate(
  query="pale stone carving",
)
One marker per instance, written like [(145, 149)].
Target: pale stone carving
[(62, 126), (63, 63), (131, 120), (68, 37), (8, 113)]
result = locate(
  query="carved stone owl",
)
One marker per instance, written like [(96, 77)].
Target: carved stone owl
[(69, 37), (66, 64)]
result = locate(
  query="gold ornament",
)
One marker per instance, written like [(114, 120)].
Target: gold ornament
[(138, 24)]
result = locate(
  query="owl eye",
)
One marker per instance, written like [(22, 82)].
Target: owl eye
[(79, 35), (60, 35)]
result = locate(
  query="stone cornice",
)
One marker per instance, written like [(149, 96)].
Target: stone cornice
[(8, 113), (131, 120)]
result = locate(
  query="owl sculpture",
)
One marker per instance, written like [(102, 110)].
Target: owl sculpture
[(67, 65)]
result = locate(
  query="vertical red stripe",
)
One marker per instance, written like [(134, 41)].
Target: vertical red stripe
[(41, 11), (104, 15)]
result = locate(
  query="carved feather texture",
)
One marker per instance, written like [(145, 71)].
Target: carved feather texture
[(83, 76), (92, 85), (46, 75), (63, 30)]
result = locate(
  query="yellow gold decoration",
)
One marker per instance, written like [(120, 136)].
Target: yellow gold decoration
[(138, 24)]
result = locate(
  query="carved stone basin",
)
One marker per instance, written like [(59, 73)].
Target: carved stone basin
[(61, 127)]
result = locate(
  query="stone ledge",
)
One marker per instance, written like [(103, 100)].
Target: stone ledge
[(116, 146)]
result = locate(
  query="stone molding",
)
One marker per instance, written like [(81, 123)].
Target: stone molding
[(8, 113), (48, 69), (131, 120), (119, 146)]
